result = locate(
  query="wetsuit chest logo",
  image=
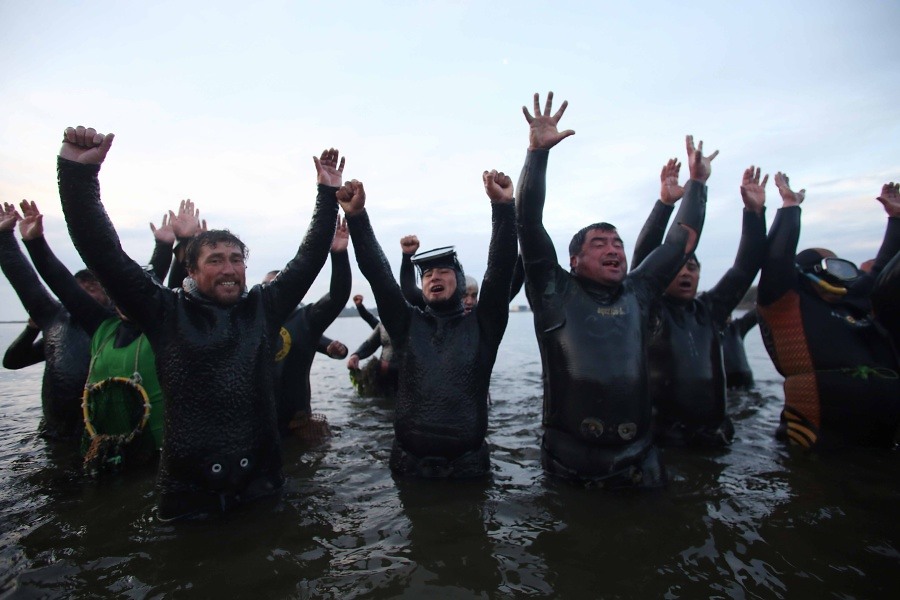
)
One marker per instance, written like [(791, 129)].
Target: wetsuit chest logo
[(285, 345), (611, 311)]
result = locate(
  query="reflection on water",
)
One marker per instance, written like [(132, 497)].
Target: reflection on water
[(755, 520)]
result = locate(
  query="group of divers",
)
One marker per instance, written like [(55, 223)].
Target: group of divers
[(205, 376)]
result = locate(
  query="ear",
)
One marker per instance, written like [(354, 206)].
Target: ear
[(573, 262)]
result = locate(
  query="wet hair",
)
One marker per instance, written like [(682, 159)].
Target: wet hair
[(578, 239), (692, 257), (211, 239), (86, 276)]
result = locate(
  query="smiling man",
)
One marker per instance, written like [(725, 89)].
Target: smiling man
[(592, 325), (444, 357), (213, 340)]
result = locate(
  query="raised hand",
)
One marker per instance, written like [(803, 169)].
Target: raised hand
[(164, 233), (543, 133), (890, 198), (669, 190), (328, 171), (8, 217), (357, 299), (186, 224), (498, 186), (352, 197), (753, 193), (699, 165), (85, 146), (31, 226), (336, 349), (341, 236), (409, 244), (788, 197)]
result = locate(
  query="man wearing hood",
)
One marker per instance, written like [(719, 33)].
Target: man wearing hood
[(445, 358), (841, 381), (213, 343)]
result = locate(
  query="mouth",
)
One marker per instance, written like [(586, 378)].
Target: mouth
[(685, 284), (437, 289), (228, 284), (612, 263)]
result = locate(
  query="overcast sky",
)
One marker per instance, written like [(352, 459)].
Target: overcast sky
[(225, 103)]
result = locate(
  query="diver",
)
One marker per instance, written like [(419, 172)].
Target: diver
[(738, 374), (445, 358), (687, 374), (842, 380), (301, 336), (214, 341), (592, 324), (364, 313)]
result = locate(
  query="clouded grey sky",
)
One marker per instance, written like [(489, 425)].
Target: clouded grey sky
[(226, 103)]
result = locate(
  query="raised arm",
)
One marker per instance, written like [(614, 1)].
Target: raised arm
[(364, 313), (651, 235), (728, 292), (392, 306), (493, 305), (287, 290), (778, 270), (661, 266), (329, 306), (130, 287), (409, 245), (538, 253), (186, 224), (84, 308), (41, 306), (890, 245)]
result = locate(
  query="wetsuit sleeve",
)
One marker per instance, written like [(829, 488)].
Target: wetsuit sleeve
[(518, 278), (160, 260), (747, 322), (392, 306), (728, 293), (651, 235), (890, 246), (323, 313), (411, 291), (24, 351), (286, 291), (886, 298), (86, 311), (41, 306), (368, 347), (538, 253), (493, 303), (368, 317), (178, 271), (778, 272), (131, 288), (661, 266), (324, 342)]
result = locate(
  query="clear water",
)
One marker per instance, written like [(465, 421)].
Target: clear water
[(755, 521)]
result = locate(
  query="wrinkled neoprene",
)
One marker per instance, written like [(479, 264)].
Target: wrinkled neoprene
[(214, 362)]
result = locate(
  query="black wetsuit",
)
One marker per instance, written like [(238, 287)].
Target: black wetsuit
[(593, 341), (687, 372), (24, 351), (445, 359), (300, 338), (66, 346), (841, 373), (886, 300), (738, 373), (366, 316), (411, 291), (214, 362)]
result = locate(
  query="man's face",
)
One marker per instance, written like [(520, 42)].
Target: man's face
[(602, 258), (470, 298), (96, 291), (438, 284), (221, 273), (684, 286)]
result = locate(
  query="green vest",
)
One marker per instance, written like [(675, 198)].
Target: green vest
[(110, 417)]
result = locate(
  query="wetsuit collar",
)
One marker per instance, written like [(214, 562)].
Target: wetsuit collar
[(602, 293)]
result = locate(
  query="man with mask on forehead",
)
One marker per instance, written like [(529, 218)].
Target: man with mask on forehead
[(841, 386), (445, 358)]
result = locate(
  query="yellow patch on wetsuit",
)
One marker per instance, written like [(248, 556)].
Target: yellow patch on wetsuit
[(285, 345)]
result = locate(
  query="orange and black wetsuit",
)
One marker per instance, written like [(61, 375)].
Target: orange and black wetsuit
[(841, 374)]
